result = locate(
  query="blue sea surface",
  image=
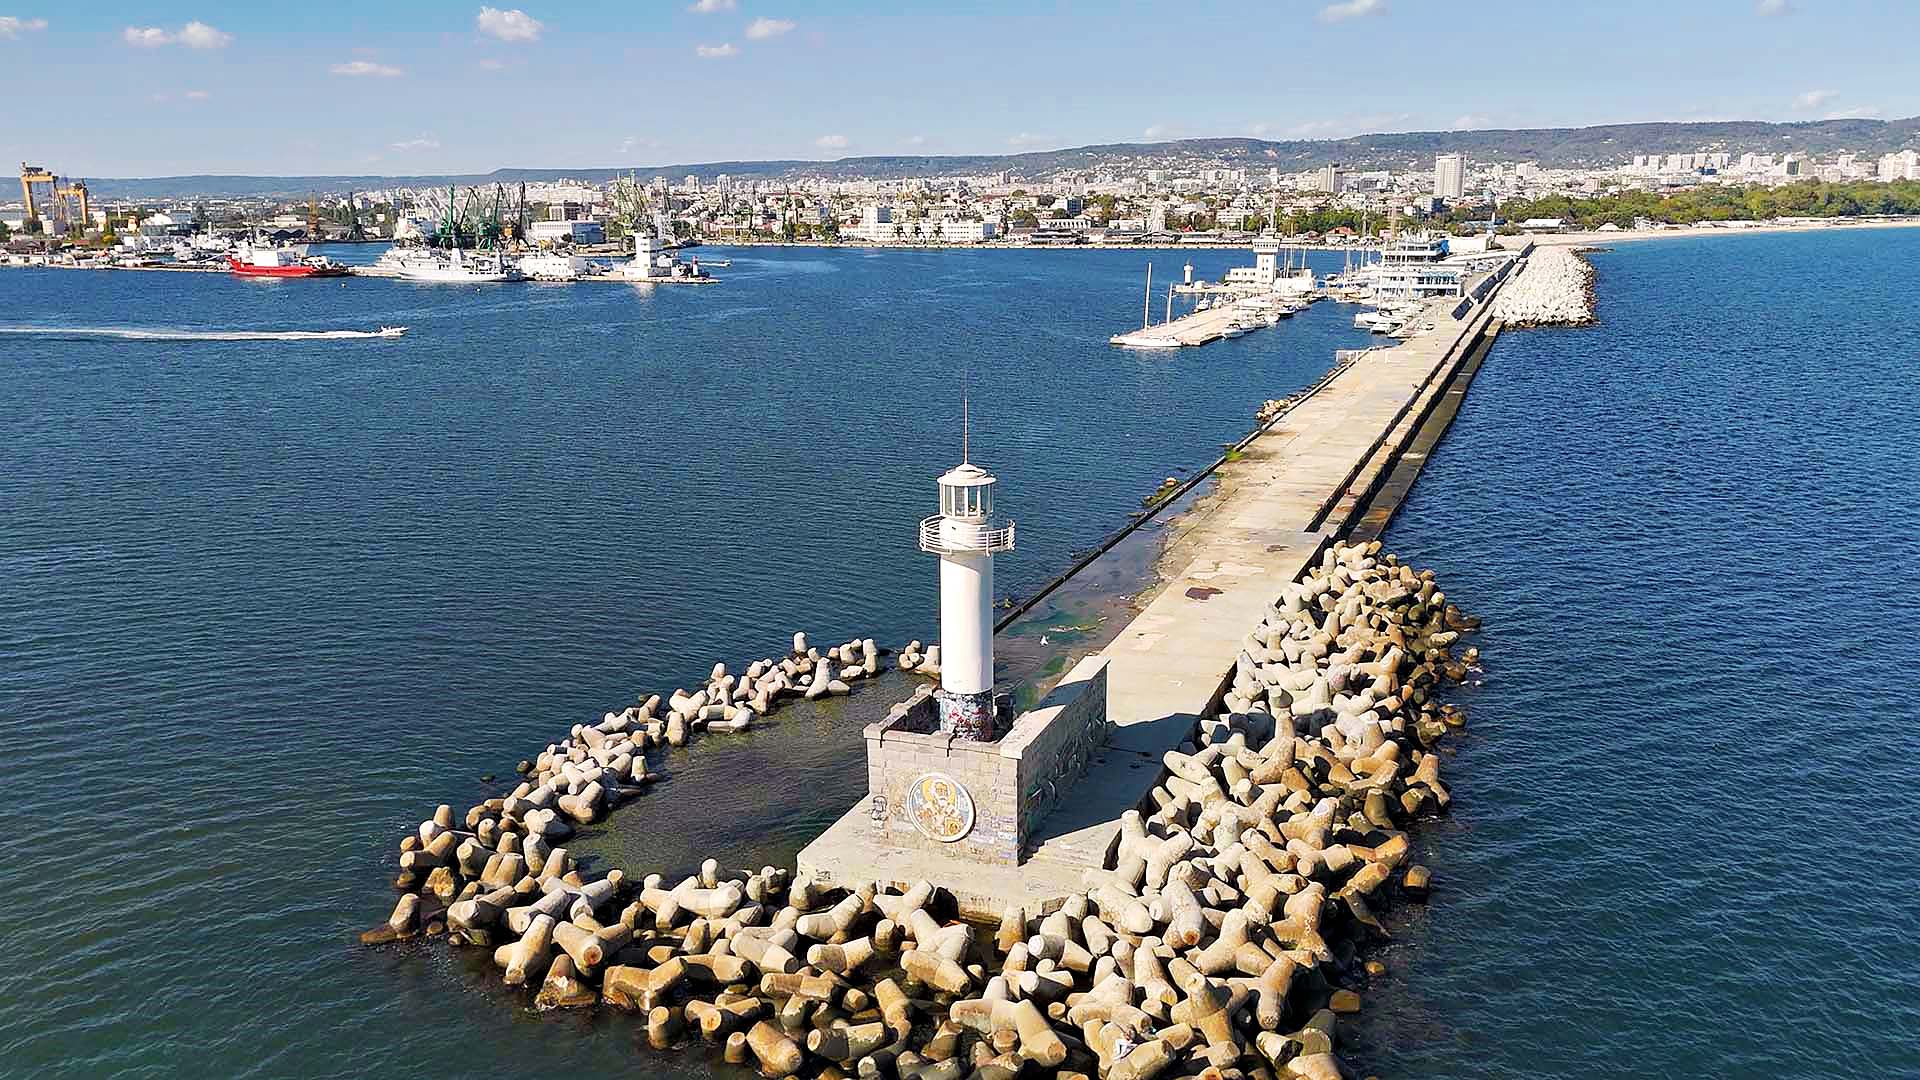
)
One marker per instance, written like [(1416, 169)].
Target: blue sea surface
[(264, 604), (1684, 830)]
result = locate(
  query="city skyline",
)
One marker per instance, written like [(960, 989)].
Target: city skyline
[(462, 87)]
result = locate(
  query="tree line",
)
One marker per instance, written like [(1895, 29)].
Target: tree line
[(1811, 198)]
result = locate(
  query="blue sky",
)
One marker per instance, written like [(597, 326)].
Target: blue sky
[(420, 86)]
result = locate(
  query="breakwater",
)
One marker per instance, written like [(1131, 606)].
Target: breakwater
[(1210, 918), (580, 779), (1223, 934), (1552, 287)]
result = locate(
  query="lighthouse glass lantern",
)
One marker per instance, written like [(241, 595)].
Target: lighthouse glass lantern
[(966, 538)]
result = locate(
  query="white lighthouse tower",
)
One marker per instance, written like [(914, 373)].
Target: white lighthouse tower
[(965, 537)]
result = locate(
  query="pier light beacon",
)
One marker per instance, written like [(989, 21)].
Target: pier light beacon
[(966, 537)]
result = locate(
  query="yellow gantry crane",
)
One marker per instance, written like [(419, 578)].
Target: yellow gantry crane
[(56, 191)]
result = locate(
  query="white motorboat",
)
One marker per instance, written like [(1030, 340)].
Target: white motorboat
[(391, 331)]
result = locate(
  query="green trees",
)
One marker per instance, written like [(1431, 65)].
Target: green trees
[(1809, 198)]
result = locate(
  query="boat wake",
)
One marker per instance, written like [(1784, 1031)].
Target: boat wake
[(136, 334)]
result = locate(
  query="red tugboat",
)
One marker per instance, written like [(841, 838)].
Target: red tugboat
[(261, 260)]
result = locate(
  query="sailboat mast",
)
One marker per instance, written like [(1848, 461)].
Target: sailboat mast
[(1146, 302)]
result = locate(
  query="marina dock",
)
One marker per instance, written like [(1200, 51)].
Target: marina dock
[(1307, 479), (1197, 328)]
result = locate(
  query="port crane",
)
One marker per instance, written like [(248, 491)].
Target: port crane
[(57, 194)]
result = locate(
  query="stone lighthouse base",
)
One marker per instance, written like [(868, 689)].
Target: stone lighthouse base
[(967, 815)]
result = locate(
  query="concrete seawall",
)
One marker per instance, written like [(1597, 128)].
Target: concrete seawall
[(1312, 476)]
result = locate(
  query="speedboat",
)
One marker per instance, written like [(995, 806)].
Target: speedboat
[(392, 331)]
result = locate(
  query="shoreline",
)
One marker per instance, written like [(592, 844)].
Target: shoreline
[(1513, 242), (1517, 240)]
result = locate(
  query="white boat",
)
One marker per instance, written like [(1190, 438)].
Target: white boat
[(552, 267), (392, 331), (1147, 337), (1144, 339), (1234, 329), (456, 266)]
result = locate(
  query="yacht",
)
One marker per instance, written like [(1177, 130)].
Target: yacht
[(1148, 337)]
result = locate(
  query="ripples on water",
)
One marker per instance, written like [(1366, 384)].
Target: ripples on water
[(1683, 834), (264, 603)]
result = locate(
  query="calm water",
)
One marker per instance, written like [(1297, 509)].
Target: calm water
[(263, 604), (1684, 834)]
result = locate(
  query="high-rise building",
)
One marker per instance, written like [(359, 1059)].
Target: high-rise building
[(1904, 165), (1449, 176), (1328, 179)]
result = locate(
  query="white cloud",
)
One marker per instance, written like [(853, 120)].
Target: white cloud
[(1773, 7), (491, 64), (12, 26), (510, 25), (196, 95), (1157, 131), (1813, 99), (364, 68), (709, 7), (763, 28), (831, 142), (916, 140), (198, 35), (1351, 9), (424, 142), (1028, 138), (1260, 130), (194, 35), (1854, 112), (715, 52), (1469, 121)]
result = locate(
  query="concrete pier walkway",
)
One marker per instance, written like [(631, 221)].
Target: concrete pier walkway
[(1302, 483)]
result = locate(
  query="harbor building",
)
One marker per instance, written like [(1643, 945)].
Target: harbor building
[(1416, 268), (567, 232)]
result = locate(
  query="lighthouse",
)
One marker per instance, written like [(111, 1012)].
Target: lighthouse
[(966, 538)]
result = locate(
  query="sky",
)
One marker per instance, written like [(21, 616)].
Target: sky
[(424, 86)]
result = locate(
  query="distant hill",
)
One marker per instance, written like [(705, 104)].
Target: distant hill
[(1552, 147)]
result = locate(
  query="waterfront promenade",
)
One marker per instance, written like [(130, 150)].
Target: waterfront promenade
[(1301, 483)]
